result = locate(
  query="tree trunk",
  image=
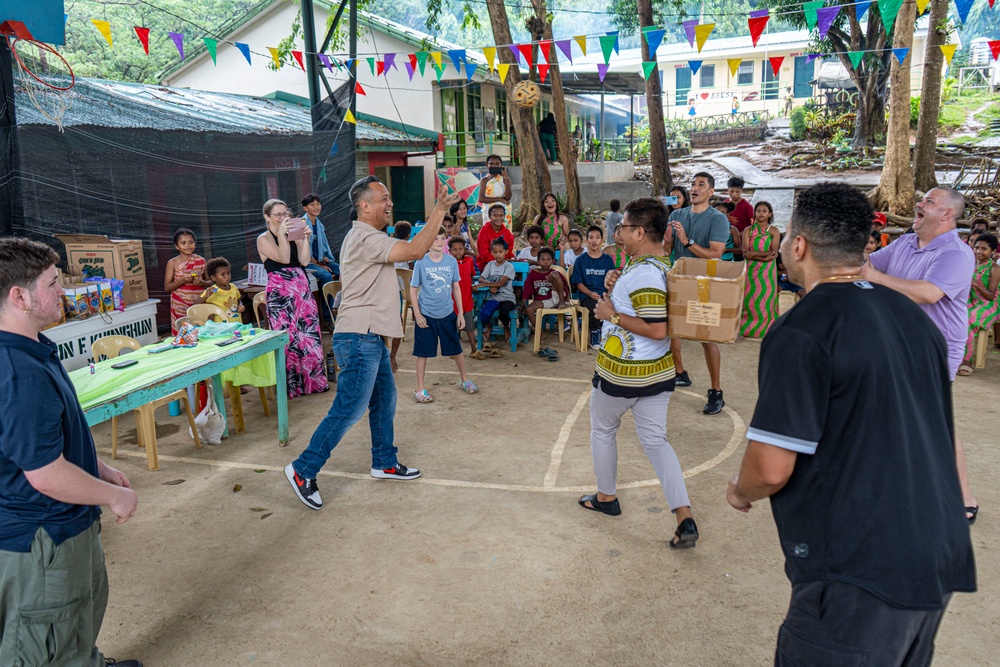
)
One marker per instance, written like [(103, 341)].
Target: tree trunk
[(924, 161), (659, 159), (895, 188), (869, 129), (535, 179)]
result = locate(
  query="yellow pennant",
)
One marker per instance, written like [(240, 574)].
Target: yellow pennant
[(436, 55), (502, 70), (922, 5), (701, 33), (104, 28), (949, 51), (349, 118), (491, 54), (274, 57), (734, 63), (582, 41)]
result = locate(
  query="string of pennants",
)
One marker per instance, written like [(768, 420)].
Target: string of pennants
[(817, 17)]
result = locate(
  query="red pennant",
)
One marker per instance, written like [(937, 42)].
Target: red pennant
[(995, 48), (543, 71), (379, 67), (143, 35), (546, 47), (757, 28), (358, 89), (298, 58), (991, 3), (776, 64), (413, 61), (525, 50)]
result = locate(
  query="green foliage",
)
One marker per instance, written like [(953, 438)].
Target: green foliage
[(826, 130), (798, 124), (914, 112), (949, 89), (951, 117)]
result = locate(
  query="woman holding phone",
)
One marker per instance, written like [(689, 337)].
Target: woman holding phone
[(285, 250), (496, 189)]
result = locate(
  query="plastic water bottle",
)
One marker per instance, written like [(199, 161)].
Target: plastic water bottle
[(331, 367)]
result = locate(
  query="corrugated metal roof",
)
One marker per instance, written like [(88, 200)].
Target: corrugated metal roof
[(132, 105)]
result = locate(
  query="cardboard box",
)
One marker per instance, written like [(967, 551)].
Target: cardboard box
[(705, 299), (104, 257)]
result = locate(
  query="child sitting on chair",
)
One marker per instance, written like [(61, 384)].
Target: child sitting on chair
[(401, 230), (222, 293), (570, 248), (530, 254), (498, 276), (544, 287)]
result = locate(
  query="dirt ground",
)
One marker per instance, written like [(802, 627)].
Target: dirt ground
[(488, 560)]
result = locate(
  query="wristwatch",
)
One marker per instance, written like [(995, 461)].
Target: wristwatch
[(615, 318), (689, 243)]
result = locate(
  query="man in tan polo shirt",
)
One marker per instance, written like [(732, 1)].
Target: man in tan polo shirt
[(369, 310)]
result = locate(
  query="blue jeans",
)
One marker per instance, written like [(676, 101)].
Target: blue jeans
[(365, 381), (323, 275)]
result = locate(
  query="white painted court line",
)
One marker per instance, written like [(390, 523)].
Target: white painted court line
[(501, 375), (556, 457)]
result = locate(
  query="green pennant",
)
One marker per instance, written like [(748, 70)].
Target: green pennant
[(855, 57), (422, 61), (212, 45), (647, 68), (889, 9), (607, 46), (322, 175), (371, 65), (809, 8), (438, 70)]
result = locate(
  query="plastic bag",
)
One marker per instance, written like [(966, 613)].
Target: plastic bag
[(187, 336), (209, 422), (118, 293)]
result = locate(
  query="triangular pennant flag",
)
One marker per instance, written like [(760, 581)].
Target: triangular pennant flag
[(491, 55), (436, 55), (647, 68), (615, 33), (949, 52), (502, 70), (298, 58), (758, 13), (421, 61), (775, 64), (390, 61), (546, 46), (689, 30), (358, 89), (333, 148), (860, 8), (143, 35), (701, 33), (922, 5), (322, 175), (567, 48), (525, 50), (517, 54), (607, 46), (351, 65), (371, 65), (602, 71), (810, 9), (470, 69), (349, 118), (855, 57), (694, 65), (245, 50), (413, 60), (757, 27), (409, 70), (543, 71), (325, 59), (274, 57), (826, 17), (991, 3), (104, 28), (963, 7), (812, 56), (734, 65), (890, 8), (457, 58), (653, 39), (438, 70), (995, 48), (581, 41), (901, 54), (178, 42), (379, 67)]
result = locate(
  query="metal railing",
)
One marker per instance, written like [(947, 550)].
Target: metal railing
[(460, 148)]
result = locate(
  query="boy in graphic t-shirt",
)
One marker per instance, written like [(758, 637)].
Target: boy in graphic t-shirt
[(543, 288), (222, 293)]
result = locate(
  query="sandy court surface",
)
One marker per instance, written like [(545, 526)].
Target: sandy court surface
[(488, 560)]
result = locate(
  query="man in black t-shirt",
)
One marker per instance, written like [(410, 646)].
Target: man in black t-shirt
[(867, 505)]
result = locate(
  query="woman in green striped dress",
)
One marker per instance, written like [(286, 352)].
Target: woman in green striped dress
[(760, 250)]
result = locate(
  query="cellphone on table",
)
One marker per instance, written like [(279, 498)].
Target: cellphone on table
[(228, 342), (669, 201), (161, 348), (125, 364), (296, 229)]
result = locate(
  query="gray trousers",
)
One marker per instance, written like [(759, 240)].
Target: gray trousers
[(650, 416)]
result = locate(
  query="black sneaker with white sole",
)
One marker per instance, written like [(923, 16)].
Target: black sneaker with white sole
[(715, 402), (399, 471), (682, 380), (305, 489)]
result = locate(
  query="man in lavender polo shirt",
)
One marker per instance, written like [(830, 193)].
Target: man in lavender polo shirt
[(934, 268)]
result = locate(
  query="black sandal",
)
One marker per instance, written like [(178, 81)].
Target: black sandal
[(974, 511), (686, 534), (609, 507)]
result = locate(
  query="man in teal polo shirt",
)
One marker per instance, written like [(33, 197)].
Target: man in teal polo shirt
[(53, 582)]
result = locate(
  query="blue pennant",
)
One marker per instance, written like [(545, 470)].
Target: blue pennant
[(653, 39), (963, 7), (861, 7), (470, 69), (901, 54), (333, 149), (695, 65), (457, 57)]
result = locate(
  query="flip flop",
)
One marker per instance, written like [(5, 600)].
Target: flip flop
[(478, 354), (966, 370), (609, 507), (495, 354), (687, 535), (974, 511)]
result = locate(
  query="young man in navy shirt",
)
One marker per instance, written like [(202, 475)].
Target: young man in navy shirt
[(53, 582), (589, 271)]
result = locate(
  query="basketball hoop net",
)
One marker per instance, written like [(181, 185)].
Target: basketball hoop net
[(37, 88)]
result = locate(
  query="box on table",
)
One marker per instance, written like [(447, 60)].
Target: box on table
[(705, 299), (100, 256)]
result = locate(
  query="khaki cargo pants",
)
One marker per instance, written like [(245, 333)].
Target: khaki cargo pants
[(52, 602)]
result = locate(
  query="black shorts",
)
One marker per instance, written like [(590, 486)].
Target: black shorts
[(445, 329)]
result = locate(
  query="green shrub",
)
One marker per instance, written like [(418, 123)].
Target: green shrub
[(798, 126), (914, 112)]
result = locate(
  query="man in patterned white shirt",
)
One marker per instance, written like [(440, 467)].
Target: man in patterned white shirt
[(635, 370)]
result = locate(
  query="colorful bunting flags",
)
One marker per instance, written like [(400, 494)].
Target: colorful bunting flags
[(212, 45), (371, 65), (810, 9), (775, 64), (143, 35), (178, 40), (325, 59), (470, 69), (409, 70), (757, 13), (390, 61), (995, 48), (457, 58), (900, 54), (963, 7), (689, 30), (694, 65), (298, 58), (566, 47), (502, 70), (517, 54), (701, 33), (825, 18), (546, 46), (349, 118), (861, 8), (647, 68), (491, 55), (104, 28), (949, 51), (614, 33), (855, 57), (274, 57), (890, 8), (607, 46), (757, 24), (734, 65), (358, 89), (602, 71), (543, 71), (436, 55), (379, 67), (245, 50), (581, 41), (525, 50), (653, 40), (439, 70), (922, 5), (421, 61)]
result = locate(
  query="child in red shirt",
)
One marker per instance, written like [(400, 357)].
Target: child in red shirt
[(466, 268), (544, 287)]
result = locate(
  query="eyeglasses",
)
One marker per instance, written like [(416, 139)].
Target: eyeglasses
[(286, 214), (623, 226)]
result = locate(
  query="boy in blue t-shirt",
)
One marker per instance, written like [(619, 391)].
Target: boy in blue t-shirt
[(589, 271), (434, 284)]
